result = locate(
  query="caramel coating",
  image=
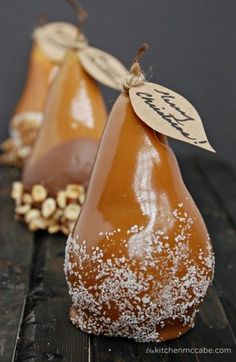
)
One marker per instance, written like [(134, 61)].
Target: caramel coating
[(139, 260), (66, 147), (37, 83)]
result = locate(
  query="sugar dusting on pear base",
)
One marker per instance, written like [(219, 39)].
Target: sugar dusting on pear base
[(168, 332), (151, 298)]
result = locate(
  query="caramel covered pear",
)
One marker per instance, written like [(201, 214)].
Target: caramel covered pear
[(139, 260), (66, 147), (40, 74), (29, 111), (57, 173)]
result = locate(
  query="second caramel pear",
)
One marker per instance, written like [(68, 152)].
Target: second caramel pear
[(56, 175), (67, 143)]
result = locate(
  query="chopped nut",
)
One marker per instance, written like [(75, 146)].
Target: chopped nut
[(17, 190), (48, 213), (72, 191), (48, 207), (16, 185), (37, 224), (81, 198), (31, 215), (23, 152), (81, 189), (27, 199), (61, 199), (65, 230), (32, 226), (22, 210), (63, 219), (8, 145), (71, 212), (53, 229), (39, 193), (18, 203), (58, 214), (50, 221)]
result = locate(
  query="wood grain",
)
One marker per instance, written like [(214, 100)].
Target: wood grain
[(47, 333), (16, 245), (220, 227)]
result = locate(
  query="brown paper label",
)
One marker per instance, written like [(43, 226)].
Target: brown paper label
[(56, 38), (103, 67), (169, 113)]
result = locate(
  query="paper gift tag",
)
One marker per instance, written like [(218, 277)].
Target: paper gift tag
[(103, 67), (56, 38), (169, 113)]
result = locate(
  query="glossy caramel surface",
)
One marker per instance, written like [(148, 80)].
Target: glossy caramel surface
[(139, 261), (40, 72), (140, 180), (75, 115)]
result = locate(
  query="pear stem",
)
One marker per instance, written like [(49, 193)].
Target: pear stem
[(80, 12), (135, 67), (135, 77)]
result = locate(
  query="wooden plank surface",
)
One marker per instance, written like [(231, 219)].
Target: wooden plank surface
[(221, 179), (16, 246), (46, 332), (220, 227)]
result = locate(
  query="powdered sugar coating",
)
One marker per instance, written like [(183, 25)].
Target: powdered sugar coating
[(123, 294)]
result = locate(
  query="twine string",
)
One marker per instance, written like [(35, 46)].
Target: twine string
[(135, 76)]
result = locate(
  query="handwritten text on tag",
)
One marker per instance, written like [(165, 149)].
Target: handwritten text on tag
[(103, 67), (169, 113)]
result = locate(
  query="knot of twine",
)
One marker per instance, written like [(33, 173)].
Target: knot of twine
[(136, 77), (78, 44)]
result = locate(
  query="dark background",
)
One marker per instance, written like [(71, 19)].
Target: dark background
[(192, 51)]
